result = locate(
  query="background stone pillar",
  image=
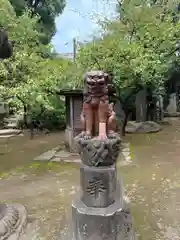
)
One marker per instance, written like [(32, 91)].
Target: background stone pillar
[(141, 106), (172, 106)]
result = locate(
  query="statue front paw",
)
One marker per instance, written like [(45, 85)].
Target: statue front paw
[(87, 135), (82, 134), (102, 137)]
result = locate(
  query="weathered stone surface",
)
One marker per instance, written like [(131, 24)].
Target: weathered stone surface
[(142, 127), (98, 185), (10, 136), (62, 154), (60, 160), (96, 152), (13, 219), (100, 212), (171, 114), (12, 125), (10, 132), (111, 223), (11, 118), (172, 106), (141, 105), (165, 121), (47, 156), (58, 155), (76, 160), (11, 122)]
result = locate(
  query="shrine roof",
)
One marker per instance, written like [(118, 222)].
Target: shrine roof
[(73, 92)]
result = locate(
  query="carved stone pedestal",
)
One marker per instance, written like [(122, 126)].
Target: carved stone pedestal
[(100, 211), (13, 219)]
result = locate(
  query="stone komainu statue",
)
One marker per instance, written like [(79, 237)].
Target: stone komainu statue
[(98, 116), (100, 211), (6, 46)]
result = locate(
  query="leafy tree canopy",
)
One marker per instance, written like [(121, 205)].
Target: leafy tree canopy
[(27, 75), (139, 48), (47, 10)]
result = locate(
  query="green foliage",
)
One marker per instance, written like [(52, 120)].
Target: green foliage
[(28, 79), (48, 113), (139, 49), (48, 10), (24, 62)]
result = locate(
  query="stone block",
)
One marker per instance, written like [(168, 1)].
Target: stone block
[(13, 220), (10, 132), (47, 156), (110, 223), (98, 185), (96, 152)]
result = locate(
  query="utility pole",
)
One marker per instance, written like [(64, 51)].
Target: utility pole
[(74, 49)]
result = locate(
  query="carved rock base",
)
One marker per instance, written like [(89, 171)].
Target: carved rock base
[(111, 223), (13, 219), (94, 152), (100, 211)]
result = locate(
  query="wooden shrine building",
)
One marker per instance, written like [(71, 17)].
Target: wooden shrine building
[(73, 103)]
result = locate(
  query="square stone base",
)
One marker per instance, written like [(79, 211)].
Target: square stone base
[(110, 223)]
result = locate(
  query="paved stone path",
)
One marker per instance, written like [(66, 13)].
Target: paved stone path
[(8, 133), (58, 155)]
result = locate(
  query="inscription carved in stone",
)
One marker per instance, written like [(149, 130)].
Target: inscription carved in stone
[(95, 187)]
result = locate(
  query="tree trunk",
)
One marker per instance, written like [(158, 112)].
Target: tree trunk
[(126, 107)]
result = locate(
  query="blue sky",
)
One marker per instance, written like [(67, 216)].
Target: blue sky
[(79, 20)]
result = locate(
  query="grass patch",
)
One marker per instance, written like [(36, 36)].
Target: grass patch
[(40, 168)]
